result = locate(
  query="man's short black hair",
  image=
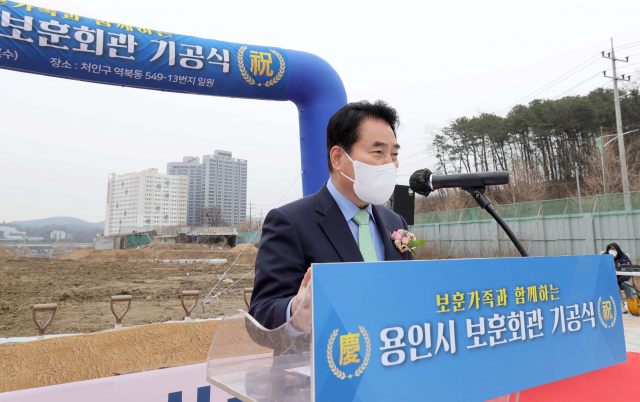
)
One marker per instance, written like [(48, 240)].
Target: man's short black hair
[(343, 129)]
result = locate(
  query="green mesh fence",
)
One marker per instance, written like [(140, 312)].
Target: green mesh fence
[(599, 204), (248, 237)]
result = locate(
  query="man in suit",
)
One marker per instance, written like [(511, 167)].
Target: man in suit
[(339, 223)]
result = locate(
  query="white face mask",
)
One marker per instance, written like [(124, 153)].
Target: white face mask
[(373, 183), (614, 253)]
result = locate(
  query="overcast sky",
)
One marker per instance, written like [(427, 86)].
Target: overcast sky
[(433, 61)]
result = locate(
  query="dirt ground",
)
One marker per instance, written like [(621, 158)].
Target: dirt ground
[(83, 281)]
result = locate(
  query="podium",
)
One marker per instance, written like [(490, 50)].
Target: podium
[(458, 330), (255, 364)]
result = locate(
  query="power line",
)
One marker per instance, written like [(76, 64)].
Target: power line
[(561, 79), (412, 155), (628, 65), (285, 194), (575, 86), (622, 47), (427, 157), (555, 82), (532, 79), (404, 168), (628, 45), (276, 204), (289, 199), (209, 297), (265, 211)]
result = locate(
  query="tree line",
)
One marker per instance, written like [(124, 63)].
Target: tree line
[(542, 143)]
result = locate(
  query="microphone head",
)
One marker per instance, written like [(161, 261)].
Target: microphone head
[(419, 182)]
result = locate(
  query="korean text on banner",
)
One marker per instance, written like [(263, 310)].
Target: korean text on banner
[(461, 329), (43, 41)]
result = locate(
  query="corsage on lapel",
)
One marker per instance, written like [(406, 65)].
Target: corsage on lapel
[(405, 241)]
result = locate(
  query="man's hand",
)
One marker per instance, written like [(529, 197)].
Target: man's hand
[(301, 319)]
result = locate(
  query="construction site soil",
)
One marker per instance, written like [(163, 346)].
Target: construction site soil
[(82, 282)]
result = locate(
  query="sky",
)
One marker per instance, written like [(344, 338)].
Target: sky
[(432, 61)]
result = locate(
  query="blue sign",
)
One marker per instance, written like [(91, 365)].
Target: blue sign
[(467, 330), (60, 44), (50, 42)]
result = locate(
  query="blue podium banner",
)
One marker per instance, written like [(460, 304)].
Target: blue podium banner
[(60, 44), (458, 330)]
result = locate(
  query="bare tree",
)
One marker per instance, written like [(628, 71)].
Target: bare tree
[(249, 225), (592, 184), (210, 217)]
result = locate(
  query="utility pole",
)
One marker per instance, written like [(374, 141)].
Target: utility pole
[(578, 183), (250, 216), (616, 96), (604, 169)]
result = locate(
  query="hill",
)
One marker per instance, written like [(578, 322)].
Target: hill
[(81, 231), (58, 220)]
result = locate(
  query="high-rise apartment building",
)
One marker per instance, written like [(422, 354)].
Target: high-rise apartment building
[(192, 168), (146, 199), (218, 181)]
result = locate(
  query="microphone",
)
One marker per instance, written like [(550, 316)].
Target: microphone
[(469, 180), (420, 182), (423, 181)]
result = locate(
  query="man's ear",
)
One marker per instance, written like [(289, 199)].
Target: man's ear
[(335, 155)]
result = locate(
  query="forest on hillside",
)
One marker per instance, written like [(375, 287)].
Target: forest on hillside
[(541, 145)]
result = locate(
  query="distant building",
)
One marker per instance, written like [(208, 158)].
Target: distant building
[(57, 235), (146, 199), (11, 233), (218, 181)]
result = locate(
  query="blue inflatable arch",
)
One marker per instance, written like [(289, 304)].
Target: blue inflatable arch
[(50, 42)]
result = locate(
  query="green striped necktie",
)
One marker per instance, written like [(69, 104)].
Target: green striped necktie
[(364, 236)]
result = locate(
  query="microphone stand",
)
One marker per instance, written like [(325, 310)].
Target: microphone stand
[(476, 188)]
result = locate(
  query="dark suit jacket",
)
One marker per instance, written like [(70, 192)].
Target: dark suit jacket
[(307, 231)]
